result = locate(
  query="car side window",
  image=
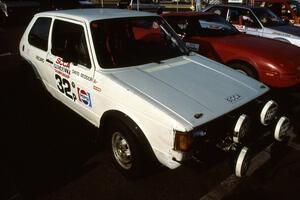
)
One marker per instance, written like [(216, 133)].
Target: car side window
[(222, 11), (70, 39), (242, 17), (39, 33), (276, 8)]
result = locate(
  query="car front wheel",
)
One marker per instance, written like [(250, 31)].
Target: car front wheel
[(244, 68), (126, 151)]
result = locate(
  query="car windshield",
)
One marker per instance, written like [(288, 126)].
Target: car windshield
[(125, 42), (267, 17), (295, 5)]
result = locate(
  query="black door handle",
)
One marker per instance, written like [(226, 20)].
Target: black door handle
[(49, 61)]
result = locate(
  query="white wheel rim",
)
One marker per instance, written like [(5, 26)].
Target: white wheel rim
[(121, 150), (241, 163), (238, 134), (242, 72), (283, 123), (263, 114)]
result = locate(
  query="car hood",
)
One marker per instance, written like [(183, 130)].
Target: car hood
[(248, 45), (286, 30), (191, 85)]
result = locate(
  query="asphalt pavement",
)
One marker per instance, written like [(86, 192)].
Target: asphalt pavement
[(48, 152)]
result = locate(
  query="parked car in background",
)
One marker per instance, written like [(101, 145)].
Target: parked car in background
[(59, 4), (258, 21), (288, 10), (261, 58), (141, 5), (129, 74), (17, 11)]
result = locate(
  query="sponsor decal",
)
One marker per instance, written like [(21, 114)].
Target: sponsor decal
[(241, 28), (62, 68), (234, 98), (75, 72), (192, 46), (84, 97), (97, 88), (88, 78), (40, 59)]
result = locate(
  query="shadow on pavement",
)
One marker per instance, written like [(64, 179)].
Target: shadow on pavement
[(44, 144)]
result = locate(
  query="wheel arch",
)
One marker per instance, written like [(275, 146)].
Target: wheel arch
[(249, 64), (107, 119)]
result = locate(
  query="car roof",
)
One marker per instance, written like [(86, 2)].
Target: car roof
[(236, 6), (92, 14), (186, 14), (276, 1)]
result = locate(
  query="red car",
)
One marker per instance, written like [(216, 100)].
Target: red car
[(275, 63)]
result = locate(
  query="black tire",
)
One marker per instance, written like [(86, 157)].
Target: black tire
[(245, 69), (126, 151)]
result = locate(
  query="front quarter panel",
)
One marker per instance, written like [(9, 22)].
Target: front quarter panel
[(157, 126)]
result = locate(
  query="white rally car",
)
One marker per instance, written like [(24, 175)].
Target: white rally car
[(129, 74), (258, 21)]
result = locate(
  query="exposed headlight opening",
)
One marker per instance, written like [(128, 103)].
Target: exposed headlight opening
[(241, 128), (281, 128), (268, 112), (242, 163)]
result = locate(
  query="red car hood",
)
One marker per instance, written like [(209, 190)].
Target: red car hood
[(281, 53)]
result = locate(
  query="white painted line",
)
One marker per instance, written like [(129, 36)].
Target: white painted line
[(8, 54), (231, 182)]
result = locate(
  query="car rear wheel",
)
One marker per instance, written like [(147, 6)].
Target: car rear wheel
[(244, 68)]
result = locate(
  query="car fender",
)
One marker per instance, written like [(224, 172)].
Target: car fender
[(134, 127)]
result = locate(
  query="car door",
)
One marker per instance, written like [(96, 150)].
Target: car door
[(73, 72), (244, 21), (36, 47)]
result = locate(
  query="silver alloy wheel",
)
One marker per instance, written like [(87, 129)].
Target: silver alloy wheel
[(121, 150), (242, 71)]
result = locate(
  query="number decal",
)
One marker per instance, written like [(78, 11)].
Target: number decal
[(59, 83), (67, 87), (64, 86)]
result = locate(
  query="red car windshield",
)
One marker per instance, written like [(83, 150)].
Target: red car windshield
[(126, 42)]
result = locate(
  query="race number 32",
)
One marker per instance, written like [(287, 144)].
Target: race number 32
[(64, 86)]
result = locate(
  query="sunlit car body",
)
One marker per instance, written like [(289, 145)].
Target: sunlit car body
[(261, 58), (258, 21), (129, 74), (288, 10)]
